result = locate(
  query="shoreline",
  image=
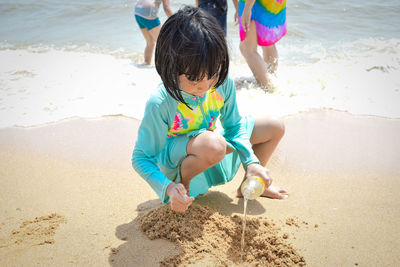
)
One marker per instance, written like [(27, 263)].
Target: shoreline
[(342, 172), (69, 84), (123, 116)]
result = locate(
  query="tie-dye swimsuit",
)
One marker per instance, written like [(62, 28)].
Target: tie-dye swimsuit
[(168, 125), (270, 18)]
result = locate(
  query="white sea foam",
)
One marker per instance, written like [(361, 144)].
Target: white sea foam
[(38, 86), (358, 82)]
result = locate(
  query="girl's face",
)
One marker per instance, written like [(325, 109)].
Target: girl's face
[(197, 88)]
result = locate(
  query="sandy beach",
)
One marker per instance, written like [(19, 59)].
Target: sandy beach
[(69, 196), (72, 93)]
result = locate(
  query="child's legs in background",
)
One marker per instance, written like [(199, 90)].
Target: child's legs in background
[(151, 39), (248, 48), (154, 35), (203, 151), (150, 30), (150, 44), (270, 54)]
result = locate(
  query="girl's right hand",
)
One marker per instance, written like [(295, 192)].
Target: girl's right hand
[(245, 19), (178, 197), (236, 18)]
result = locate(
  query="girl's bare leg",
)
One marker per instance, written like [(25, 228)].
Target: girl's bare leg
[(265, 138), (248, 48), (151, 39), (203, 152), (270, 55)]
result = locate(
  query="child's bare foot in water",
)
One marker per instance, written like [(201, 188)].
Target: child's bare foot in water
[(273, 191)]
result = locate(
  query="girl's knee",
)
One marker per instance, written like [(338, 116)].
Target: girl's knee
[(213, 148), (242, 48), (151, 43), (272, 128), (279, 126), (245, 49)]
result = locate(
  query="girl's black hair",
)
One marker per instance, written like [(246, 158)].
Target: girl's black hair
[(191, 42)]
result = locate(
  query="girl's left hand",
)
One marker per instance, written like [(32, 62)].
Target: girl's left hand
[(256, 169)]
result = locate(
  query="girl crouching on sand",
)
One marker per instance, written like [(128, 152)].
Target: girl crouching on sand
[(179, 150)]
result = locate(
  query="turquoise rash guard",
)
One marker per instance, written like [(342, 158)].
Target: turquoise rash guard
[(167, 126)]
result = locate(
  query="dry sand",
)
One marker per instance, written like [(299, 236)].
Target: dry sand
[(69, 197)]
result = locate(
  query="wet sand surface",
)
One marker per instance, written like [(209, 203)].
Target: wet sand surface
[(68, 196)]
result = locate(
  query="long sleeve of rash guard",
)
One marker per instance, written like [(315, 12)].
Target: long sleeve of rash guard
[(150, 142), (235, 131)]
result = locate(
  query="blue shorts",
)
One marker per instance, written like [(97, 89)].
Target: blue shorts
[(170, 159), (147, 23)]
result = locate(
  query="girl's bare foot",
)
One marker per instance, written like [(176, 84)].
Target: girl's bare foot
[(273, 191)]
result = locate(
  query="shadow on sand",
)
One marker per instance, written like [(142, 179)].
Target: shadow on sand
[(139, 250)]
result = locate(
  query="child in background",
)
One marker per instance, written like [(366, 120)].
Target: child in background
[(261, 23), (146, 15), (179, 150)]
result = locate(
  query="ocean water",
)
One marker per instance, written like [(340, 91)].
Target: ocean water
[(62, 59)]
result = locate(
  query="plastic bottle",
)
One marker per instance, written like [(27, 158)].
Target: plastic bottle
[(252, 187)]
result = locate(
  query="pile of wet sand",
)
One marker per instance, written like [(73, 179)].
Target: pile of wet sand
[(208, 238)]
